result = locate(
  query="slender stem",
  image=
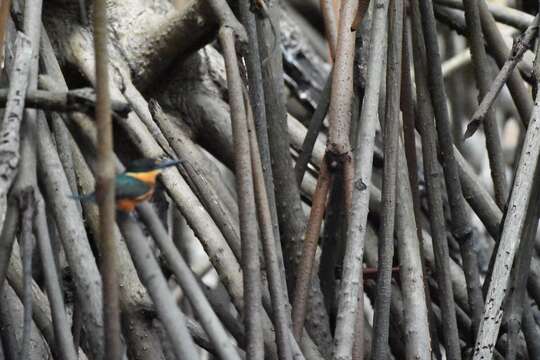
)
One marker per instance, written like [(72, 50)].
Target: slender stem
[(308, 254), (280, 311), (152, 277), (520, 47), (257, 98), (409, 124), (330, 24), (246, 200), (363, 158), (520, 273), (26, 201), (62, 333), (483, 80), (105, 187), (186, 279), (391, 135), (315, 125), (511, 234), (432, 174)]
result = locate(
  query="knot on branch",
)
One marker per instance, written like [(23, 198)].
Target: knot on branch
[(336, 160)]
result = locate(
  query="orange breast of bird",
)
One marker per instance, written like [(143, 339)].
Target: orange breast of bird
[(129, 204)]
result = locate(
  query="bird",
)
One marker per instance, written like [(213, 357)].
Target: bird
[(136, 184)]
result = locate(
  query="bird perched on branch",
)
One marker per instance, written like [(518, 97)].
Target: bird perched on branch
[(136, 184)]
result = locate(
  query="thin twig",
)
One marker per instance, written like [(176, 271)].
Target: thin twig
[(150, 273), (524, 43), (432, 173), (391, 135), (308, 254), (508, 243), (257, 98), (409, 124), (62, 333), (189, 284), (315, 125), (275, 281), (246, 200), (349, 295), (504, 14), (330, 25), (7, 237), (11, 124), (82, 100), (4, 15), (491, 129), (292, 220), (520, 273), (26, 201), (105, 187)]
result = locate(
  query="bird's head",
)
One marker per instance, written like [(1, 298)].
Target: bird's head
[(148, 165)]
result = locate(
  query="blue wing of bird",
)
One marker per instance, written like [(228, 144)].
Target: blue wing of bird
[(130, 187), (126, 187)]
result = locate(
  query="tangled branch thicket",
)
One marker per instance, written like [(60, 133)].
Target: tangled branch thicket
[(359, 179)]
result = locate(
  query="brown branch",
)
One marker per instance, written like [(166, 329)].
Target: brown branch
[(350, 295), (330, 24), (276, 283), (105, 187), (246, 200), (308, 254)]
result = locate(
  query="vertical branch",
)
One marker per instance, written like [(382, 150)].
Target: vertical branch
[(257, 99), (187, 280), (330, 25), (11, 124), (493, 140), (275, 281), (432, 174), (349, 295), (105, 187), (4, 15), (26, 209), (512, 231), (461, 227), (308, 254), (500, 52), (152, 277), (244, 188), (409, 124), (391, 136), (338, 155), (520, 273), (62, 333), (292, 220)]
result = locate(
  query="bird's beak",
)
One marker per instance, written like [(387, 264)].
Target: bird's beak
[(167, 163)]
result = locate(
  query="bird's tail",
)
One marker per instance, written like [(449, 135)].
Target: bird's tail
[(83, 198)]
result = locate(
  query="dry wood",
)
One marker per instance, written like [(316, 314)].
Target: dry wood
[(105, 187), (11, 124), (246, 201), (349, 295), (491, 129)]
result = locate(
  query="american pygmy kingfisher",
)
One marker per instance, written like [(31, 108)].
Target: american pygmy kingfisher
[(137, 183)]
